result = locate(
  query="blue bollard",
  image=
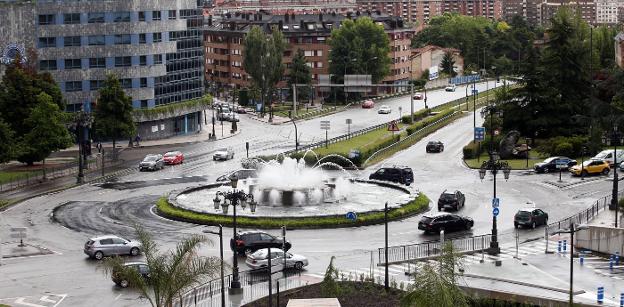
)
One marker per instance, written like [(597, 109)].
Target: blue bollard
[(621, 299), (565, 245), (581, 258), (600, 295), (611, 261), (559, 246), (617, 258)]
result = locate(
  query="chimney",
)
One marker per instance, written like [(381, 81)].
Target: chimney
[(320, 16)]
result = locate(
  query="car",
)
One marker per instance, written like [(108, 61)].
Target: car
[(232, 117), (224, 115), (550, 164), (530, 217), (241, 174), (368, 104), (111, 245), (139, 266), (223, 154), (418, 96), (444, 221), (174, 157), (622, 166), (259, 259), (250, 241), (451, 200), (152, 162), (384, 110), (241, 110), (593, 166), (434, 146), (398, 174), (450, 88), (608, 156)]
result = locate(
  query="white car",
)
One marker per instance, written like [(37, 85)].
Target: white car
[(450, 88), (259, 260), (232, 117), (384, 110), (223, 154)]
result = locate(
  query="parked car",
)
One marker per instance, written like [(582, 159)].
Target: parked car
[(550, 164), (530, 217), (152, 162), (250, 241), (384, 110), (589, 167), (232, 117), (223, 154), (241, 110), (418, 96), (223, 113), (259, 260), (403, 175), (622, 166), (450, 88), (174, 157), (111, 245), (608, 156), (368, 104), (123, 282), (241, 174), (434, 146), (447, 221), (451, 200)]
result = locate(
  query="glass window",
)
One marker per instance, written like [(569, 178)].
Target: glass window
[(71, 41), (76, 86), (123, 61), (97, 40), (73, 64), (96, 84), (157, 37), (158, 59), (72, 18), (266, 237), (106, 241), (155, 15), (141, 16), (142, 38), (144, 104), (97, 63), (97, 17), (143, 82), (126, 83), (47, 65), (118, 241), (143, 60), (47, 19), (122, 39), (121, 17), (172, 14), (45, 42)]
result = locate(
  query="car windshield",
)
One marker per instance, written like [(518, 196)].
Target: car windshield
[(426, 219), (524, 213), (432, 143), (447, 196), (171, 154), (150, 158), (221, 149), (588, 162), (550, 159)]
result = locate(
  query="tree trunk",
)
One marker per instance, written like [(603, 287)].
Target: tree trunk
[(44, 170), (114, 151)]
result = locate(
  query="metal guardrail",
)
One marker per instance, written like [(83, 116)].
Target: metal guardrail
[(416, 251)]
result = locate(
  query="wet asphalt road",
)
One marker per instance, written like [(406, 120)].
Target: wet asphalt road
[(91, 210)]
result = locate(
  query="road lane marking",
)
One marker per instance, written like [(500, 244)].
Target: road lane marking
[(118, 296)]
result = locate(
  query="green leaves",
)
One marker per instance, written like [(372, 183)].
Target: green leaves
[(113, 111), (300, 73)]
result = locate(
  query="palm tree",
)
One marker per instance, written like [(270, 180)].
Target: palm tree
[(170, 273)]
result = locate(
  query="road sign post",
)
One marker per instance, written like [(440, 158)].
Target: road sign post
[(479, 133), (19, 233), (495, 211), (561, 165), (325, 125), (393, 126), (349, 122), (352, 216)]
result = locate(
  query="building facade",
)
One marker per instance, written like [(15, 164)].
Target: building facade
[(586, 8), (429, 56), (223, 41), (619, 49), (219, 7)]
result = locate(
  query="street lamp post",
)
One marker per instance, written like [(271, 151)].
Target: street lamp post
[(571, 231), (234, 198), (296, 133), (220, 234), (83, 122), (474, 102), (614, 139)]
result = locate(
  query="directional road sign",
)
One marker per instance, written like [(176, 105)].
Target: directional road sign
[(479, 133), (495, 202), (561, 164), (325, 125), (352, 216), (393, 126), (495, 211), (475, 91)]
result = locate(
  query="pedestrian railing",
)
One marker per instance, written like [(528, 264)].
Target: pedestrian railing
[(403, 253), (582, 217)]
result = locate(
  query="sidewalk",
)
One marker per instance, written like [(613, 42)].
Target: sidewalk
[(277, 120)]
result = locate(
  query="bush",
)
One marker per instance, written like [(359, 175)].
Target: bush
[(564, 149), (563, 146), (407, 119), (471, 150)]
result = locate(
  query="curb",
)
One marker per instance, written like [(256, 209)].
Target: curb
[(522, 283)]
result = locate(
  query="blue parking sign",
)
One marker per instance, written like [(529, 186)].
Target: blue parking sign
[(479, 133), (495, 211)]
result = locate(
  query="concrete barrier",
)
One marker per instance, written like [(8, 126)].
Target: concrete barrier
[(606, 240)]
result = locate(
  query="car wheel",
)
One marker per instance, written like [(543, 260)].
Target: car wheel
[(439, 208), (298, 265), (583, 173), (605, 171), (467, 226), (533, 225), (516, 225), (98, 255), (546, 170), (124, 284), (214, 159), (134, 251)]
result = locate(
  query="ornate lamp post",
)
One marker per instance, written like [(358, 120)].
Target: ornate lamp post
[(234, 198), (82, 124), (614, 139)]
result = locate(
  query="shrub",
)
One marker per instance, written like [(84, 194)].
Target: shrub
[(471, 150), (568, 146), (564, 149)]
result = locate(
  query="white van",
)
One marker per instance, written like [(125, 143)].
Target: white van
[(607, 155)]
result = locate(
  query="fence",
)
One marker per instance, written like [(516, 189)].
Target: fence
[(401, 253), (582, 217)]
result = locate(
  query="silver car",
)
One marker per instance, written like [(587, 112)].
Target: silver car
[(223, 154), (111, 245), (259, 260), (152, 162)]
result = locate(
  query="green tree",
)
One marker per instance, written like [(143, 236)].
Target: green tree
[(437, 286), (113, 112), (49, 133), (7, 143), (300, 73), (262, 60), (171, 273), (360, 47), (448, 63)]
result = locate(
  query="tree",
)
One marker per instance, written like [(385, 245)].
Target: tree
[(262, 60), (170, 273), (113, 112), (360, 47), (49, 132), (437, 286), (300, 73), (7, 143), (448, 63)]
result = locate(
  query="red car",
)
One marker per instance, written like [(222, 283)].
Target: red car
[(368, 104), (241, 110), (418, 96), (174, 157)]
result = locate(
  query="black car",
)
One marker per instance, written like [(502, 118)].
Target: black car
[(241, 174), (447, 221), (435, 146), (530, 217), (121, 280), (550, 164), (251, 241), (403, 175), (451, 200)]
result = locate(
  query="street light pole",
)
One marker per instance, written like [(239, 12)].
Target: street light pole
[(220, 233), (571, 231), (296, 133), (386, 281)]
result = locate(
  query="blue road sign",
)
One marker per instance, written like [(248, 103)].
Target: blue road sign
[(495, 202), (351, 216), (479, 133), (475, 91), (495, 211)]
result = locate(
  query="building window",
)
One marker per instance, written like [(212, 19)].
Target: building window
[(71, 41), (73, 64), (319, 52), (141, 16), (123, 61), (158, 59), (172, 14), (122, 39), (47, 19), (70, 19), (236, 51), (121, 17), (95, 85), (157, 37), (97, 40), (155, 15), (97, 63), (97, 17), (126, 83), (319, 64), (73, 86), (47, 65), (142, 38), (143, 60), (143, 82), (144, 104), (308, 53), (45, 42)]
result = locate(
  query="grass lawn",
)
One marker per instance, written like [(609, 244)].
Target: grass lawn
[(514, 163), (10, 176), (362, 142)]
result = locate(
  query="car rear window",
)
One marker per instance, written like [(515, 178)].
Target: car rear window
[(447, 196), (426, 219), (524, 213), (150, 158), (90, 242)]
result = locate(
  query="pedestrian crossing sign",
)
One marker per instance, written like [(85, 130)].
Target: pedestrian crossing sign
[(393, 126)]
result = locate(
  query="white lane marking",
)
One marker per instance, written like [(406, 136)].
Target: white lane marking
[(20, 301), (46, 299), (118, 296)]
